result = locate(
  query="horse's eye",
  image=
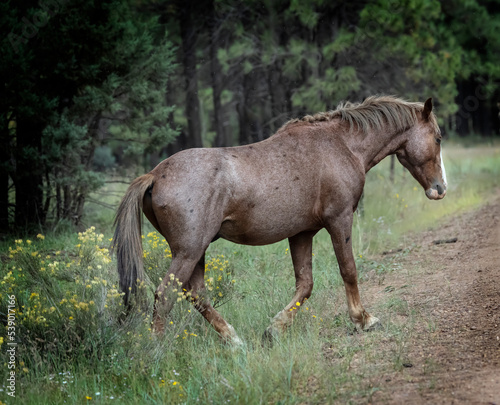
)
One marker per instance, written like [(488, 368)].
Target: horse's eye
[(438, 140)]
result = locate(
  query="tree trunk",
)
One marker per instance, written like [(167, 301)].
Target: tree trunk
[(463, 116), (4, 176), (241, 108), (29, 181), (280, 100), (485, 119), (87, 160), (189, 35), (4, 201), (495, 113), (215, 75), (181, 141), (250, 127), (58, 197)]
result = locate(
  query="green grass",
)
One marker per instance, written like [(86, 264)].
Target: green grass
[(92, 358)]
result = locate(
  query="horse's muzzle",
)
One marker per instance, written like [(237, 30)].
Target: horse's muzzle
[(436, 192)]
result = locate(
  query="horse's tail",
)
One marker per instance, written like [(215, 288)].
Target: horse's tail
[(127, 240)]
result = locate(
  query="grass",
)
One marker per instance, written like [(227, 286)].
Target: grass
[(92, 358)]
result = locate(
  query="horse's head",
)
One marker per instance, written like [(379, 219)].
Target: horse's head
[(421, 154)]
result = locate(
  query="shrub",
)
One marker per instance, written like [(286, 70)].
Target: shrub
[(68, 305), (64, 299)]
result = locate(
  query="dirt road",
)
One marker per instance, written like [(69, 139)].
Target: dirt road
[(454, 358)]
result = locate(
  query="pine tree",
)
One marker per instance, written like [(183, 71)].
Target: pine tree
[(85, 65)]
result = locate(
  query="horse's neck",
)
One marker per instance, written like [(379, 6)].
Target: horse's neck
[(374, 146)]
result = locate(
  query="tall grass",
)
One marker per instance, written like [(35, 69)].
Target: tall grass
[(93, 358)]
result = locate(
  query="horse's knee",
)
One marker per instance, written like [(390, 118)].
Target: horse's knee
[(349, 275)]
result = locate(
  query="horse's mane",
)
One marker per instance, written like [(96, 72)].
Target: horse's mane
[(372, 113)]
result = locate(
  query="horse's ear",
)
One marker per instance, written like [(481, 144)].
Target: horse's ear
[(427, 109)]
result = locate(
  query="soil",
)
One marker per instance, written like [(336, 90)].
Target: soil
[(454, 357)]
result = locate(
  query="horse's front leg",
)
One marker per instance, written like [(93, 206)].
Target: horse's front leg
[(301, 252), (340, 231)]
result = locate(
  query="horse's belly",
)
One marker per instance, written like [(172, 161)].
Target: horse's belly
[(250, 238), (254, 230)]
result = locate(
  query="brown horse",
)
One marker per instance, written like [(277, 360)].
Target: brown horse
[(308, 176)]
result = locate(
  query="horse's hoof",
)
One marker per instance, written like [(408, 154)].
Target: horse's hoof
[(372, 324), (232, 339), (236, 343)]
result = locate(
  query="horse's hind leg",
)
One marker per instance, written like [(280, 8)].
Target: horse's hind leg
[(196, 286), (301, 252), (179, 273)]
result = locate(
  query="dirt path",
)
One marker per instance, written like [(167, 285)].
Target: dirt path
[(454, 357)]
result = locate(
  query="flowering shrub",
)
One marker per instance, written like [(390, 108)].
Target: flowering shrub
[(68, 303), (219, 280), (89, 252), (157, 257), (64, 299)]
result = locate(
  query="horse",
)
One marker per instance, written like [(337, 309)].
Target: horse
[(309, 175)]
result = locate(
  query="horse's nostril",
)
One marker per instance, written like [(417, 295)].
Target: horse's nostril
[(439, 189)]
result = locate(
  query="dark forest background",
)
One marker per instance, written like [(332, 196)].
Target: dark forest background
[(91, 85)]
